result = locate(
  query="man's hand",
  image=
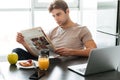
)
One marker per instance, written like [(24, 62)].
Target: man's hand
[(20, 38), (64, 51)]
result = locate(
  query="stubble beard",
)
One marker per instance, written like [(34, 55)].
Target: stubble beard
[(63, 23)]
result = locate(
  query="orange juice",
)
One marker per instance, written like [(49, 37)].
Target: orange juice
[(43, 63)]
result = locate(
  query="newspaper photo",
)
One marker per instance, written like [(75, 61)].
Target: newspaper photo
[(37, 40)]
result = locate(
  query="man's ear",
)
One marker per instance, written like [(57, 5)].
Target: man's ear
[(67, 11)]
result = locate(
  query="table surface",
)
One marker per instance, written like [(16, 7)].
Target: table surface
[(57, 71)]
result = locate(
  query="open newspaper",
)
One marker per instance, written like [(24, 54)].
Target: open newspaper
[(37, 40)]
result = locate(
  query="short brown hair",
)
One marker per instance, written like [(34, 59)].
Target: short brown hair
[(58, 4)]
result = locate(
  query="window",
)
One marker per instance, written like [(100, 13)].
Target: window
[(15, 15), (45, 3), (14, 4), (89, 14), (106, 21), (107, 4)]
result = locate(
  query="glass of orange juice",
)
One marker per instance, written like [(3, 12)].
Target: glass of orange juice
[(43, 61)]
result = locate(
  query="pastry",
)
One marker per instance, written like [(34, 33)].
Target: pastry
[(26, 63)]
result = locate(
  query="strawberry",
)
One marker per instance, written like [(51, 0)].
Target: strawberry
[(30, 61)]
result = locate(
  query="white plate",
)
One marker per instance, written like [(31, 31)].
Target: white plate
[(29, 67)]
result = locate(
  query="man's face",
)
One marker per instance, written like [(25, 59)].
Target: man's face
[(60, 16)]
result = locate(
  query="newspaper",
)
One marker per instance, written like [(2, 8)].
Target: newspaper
[(37, 40)]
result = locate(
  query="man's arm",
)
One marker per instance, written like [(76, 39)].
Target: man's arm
[(89, 46), (74, 52)]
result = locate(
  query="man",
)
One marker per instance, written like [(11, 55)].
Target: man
[(69, 38)]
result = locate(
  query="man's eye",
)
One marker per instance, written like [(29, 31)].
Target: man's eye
[(58, 14)]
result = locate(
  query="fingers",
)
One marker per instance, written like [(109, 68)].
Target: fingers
[(19, 38), (64, 51), (19, 34), (61, 51)]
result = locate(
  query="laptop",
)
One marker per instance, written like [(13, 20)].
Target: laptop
[(100, 60)]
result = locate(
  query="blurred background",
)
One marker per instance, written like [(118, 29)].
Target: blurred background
[(100, 16)]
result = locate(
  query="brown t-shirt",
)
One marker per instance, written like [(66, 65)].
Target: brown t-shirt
[(72, 37)]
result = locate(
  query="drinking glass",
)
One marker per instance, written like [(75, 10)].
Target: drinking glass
[(43, 61)]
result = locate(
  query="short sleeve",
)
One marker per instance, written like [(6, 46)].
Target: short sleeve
[(85, 34)]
